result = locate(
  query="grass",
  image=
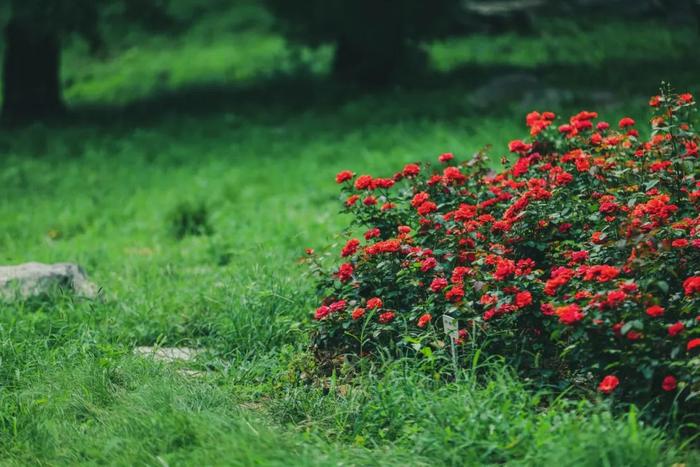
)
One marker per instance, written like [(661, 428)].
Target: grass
[(192, 216)]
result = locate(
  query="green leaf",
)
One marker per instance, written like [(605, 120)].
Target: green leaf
[(663, 285)]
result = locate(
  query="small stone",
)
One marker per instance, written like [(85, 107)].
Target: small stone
[(169, 354), (30, 280)]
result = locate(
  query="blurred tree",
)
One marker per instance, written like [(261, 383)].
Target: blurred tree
[(374, 39), (33, 36), (378, 40)]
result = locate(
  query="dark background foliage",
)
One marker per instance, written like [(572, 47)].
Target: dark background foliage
[(374, 44)]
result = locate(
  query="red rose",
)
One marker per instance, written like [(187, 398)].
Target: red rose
[(358, 313), (453, 174), (680, 243), (455, 294), (565, 128), (338, 306), (523, 299), (565, 227), (350, 247), (676, 329), (564, 178), (387, 317), (373, 303), (608, 384), (426, 208), (322, 312), (691, 149), (617, 328), (419, 198), (625, 122), (369, 201), (343, 176), (569, 314), (608, 207), (692, 285), (581, 125), (601, 273), (438, 284), (427, 264), (434, 180), (488, 299), (352, 199), (446, 157), (525, 267), (504, 268), (655, 311), (615, 298), (581, 294), (693, 343), (424, 320), (669, 383), (345, 272), (519, 147), (633, 335), (372, 233), (411, 170), (559, 277), (547, 309), (382, 183), (579, 256), (386, 246), (363, 182)]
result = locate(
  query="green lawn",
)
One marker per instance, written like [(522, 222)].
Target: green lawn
[(232, 131)]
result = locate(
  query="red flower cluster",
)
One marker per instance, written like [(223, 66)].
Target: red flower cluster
[(585, 249)]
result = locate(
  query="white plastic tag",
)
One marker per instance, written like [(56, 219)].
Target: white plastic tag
[(451, 327)]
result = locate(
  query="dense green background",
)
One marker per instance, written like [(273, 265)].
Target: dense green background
[(227, 117)]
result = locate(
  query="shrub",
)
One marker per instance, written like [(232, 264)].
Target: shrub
[(579, 262)]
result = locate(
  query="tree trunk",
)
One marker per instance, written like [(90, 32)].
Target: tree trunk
[(375, 52), (31, 82), (373, 63)]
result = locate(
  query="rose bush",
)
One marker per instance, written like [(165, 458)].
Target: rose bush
[(578, 262)]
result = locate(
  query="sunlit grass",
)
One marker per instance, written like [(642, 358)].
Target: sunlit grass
[(562, 42)]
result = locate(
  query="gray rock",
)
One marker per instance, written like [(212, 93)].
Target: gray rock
[(30, 280), (545, 99), (556, 98), (508, 88), (169, 354), (173, 355)]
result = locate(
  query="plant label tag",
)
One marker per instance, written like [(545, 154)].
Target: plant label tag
[(451, 327)]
